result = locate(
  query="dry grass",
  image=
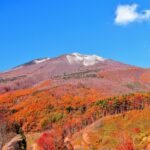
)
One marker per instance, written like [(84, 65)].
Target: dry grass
[(107, 132)]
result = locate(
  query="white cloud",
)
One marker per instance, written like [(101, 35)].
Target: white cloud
[(126, 14)]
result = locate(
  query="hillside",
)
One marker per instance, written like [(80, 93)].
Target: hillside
[(68, 93), (40, 111), (116, 131)]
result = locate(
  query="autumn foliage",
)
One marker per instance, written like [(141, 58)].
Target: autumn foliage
[(46, 141), (126, 143), (38, 109), (54, 140), (69, 108)]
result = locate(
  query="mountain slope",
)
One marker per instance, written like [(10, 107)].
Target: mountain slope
[(111, 131), (70, 92), (90, 70)]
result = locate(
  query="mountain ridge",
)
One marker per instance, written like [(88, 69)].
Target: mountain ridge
[(90, 70), (33, 61)]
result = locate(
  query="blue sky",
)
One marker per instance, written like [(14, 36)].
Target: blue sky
[(32, 29)]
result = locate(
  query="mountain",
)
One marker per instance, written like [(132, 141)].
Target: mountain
[(89, 70), (61, 96)]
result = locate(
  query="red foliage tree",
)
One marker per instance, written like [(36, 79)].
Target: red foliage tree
[(53, 140), (136, 130), (46, 141), (126, 143)]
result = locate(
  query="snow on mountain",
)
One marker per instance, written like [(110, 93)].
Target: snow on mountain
[(86, 60), (37, 61), (33, 62)]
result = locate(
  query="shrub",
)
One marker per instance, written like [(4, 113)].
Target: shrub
[(126, 143), (53, 118), (46, 142)]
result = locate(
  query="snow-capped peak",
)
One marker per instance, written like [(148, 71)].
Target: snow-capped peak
[(86, 60)]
